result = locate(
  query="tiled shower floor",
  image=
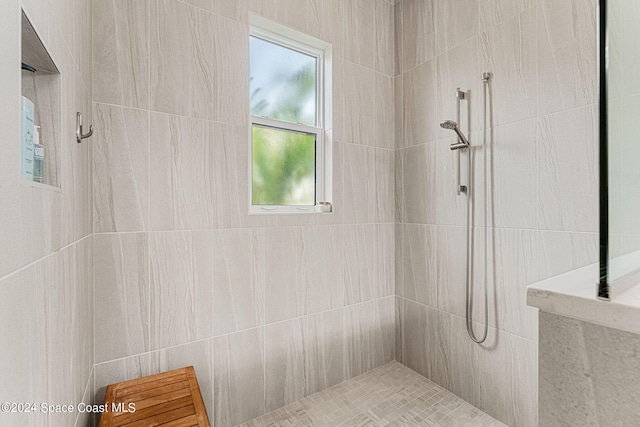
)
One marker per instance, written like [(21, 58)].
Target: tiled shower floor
[(392, 395)]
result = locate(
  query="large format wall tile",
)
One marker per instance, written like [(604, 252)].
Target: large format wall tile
[(121, 263), (238, 280), (121, 52), (120, 169), (360, 33), (512, 170), (559, 252), (181, 61), (629, 171), (284, 363), (509, 52), (494, 12), (359, 183), (181, 168), (419, 335), (418, 32), (369, 335), (229, 70), (514, 268), (285, 292), (323, 261), (415, 170), (181, 287), (418, 280), (457, 21), (568, 171), (324, 350), (567, 69), (454, 356), (507, 375), (420, 104), (23, 357), (359, 104), (359, 265), (239, 377), (384, 37)]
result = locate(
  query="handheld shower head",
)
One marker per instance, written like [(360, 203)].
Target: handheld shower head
[(451, 125), (448, 124)]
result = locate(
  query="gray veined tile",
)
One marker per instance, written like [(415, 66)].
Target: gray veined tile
[(385, 261), (419, 333), (234, 9), (359, 103), (359, 183), (507, 386), (514, 269), (509, 52), (415, 170), (567, 76), (456, 22), (121, 265), (494, 12), (359, 266), (384, 196), (181, 287), (369, 335), (455, 357), (323, 260), (383, 114), (284, 363), (384, 37), (418, 32), (359, 33), (511, 167), (568, 171), (420, 123), (181, 182), (238, 280), (239, 377), (628, 155), (324, 355), (230, 91), (121, 52), (419, 263), (182, 56), (559, 252), (285, 291), (120, 169)]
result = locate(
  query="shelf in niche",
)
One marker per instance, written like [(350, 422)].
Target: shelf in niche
[(43, 88)]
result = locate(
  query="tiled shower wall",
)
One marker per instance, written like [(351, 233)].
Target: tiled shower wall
[(268, 309), (534, 184), (46, 322)]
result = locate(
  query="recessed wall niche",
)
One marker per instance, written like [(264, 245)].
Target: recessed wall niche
[(41, 85)]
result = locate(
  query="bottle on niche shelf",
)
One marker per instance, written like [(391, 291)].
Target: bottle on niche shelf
[(38, 155)]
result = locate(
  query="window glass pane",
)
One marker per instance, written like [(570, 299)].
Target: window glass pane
[(283, 167), (283, 83)]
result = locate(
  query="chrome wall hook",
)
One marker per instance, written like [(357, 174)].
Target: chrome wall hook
[(79, 135)]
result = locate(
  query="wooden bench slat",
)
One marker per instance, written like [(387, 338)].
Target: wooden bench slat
[(170, 398), (123, 418), (147, 394), (128, 389), (161, 419), (191, 420)]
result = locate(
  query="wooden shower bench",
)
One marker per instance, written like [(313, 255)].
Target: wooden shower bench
[(169, 398)]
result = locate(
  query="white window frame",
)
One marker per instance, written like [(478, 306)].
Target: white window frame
[(291, 39)]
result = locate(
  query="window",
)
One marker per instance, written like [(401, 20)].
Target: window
[(290, 167)]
